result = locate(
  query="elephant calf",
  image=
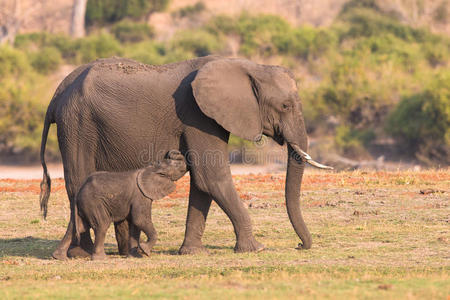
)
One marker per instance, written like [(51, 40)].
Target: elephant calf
[(107, 197)]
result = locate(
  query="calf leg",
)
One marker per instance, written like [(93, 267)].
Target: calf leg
[(99, 244), (141, 214), (135, 234)]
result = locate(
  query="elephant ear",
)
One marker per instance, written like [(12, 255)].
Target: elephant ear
[(226, 92), (153, 185)]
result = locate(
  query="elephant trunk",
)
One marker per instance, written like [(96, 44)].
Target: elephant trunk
[(294, 175)]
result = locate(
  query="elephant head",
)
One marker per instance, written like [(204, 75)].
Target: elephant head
[(249, 100), (157, 180)]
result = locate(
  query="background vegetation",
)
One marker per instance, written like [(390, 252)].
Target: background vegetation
[(364, 79)]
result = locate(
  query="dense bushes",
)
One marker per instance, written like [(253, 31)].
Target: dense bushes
[(46, 60), (422, 122), (21, 109), (361, 79), (197, 42), (73, 51), (110, 11), (268, 35), (127, 31)]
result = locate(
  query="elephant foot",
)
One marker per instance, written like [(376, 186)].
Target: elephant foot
[(59, 254), (98, 256), (134, 252), (192, 250), (77, 252), (248, 246), (123, 249), (146, 248)]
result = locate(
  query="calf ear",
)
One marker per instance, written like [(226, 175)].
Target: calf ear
[(153, 185)]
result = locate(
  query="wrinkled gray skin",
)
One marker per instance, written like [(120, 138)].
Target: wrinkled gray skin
[(107, 197), (117, 115)]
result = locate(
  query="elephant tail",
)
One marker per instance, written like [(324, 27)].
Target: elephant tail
[(46, 181)]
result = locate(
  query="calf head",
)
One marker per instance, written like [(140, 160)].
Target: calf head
[(157, 180)]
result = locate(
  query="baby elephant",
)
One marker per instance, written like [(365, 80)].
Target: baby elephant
[(107, 197)]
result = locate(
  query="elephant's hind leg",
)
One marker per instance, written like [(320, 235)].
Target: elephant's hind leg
[(122, 236), (78, 163)]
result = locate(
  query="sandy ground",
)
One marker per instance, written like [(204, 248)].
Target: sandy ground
[(56, 170)]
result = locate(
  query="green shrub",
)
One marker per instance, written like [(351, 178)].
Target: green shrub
[(197, 42), (258, 33), (422, 121), (110, 11), (353, 142), (46, 60), (96, 46), (12, 62), (154, 53), (21, 108), (190, 10), (365, 22), (222, 24), (65, 45), (131, 32), (437, 53), (295, 42)]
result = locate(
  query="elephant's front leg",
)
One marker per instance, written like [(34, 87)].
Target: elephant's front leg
[(225, 194), (199, 203)]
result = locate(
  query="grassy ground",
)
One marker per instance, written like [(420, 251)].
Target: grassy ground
[(375, 236)]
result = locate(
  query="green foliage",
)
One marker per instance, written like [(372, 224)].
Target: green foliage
[(267, 35), (356, 71), (46, 60), (110, 11), (131, 32), (74, 51), (96, 46), (422, 121), (258, 34), (155, 53), (353, 142), (365, 22), (222, 24), (197, 42), (21, 113), (190, 10)]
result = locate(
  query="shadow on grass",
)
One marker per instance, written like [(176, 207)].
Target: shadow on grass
[(28, 246), (34, 247), (219, 247), (175, 251)]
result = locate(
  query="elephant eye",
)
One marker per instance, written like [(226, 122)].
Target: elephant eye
[(287, 106)]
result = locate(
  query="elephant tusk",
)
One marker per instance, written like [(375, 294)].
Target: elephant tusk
[(307, 158), (318, 165)]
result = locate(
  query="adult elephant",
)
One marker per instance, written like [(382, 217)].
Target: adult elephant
[(117, 114)]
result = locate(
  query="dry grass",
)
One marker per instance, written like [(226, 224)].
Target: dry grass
[(375, 236)]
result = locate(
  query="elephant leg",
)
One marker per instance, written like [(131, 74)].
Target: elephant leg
[(142, 219), (122, 236), (199, 203), (60, 252), (135, 234), (84, 249), (78, 164), (152, 237), (99, 245), (225, 195)]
